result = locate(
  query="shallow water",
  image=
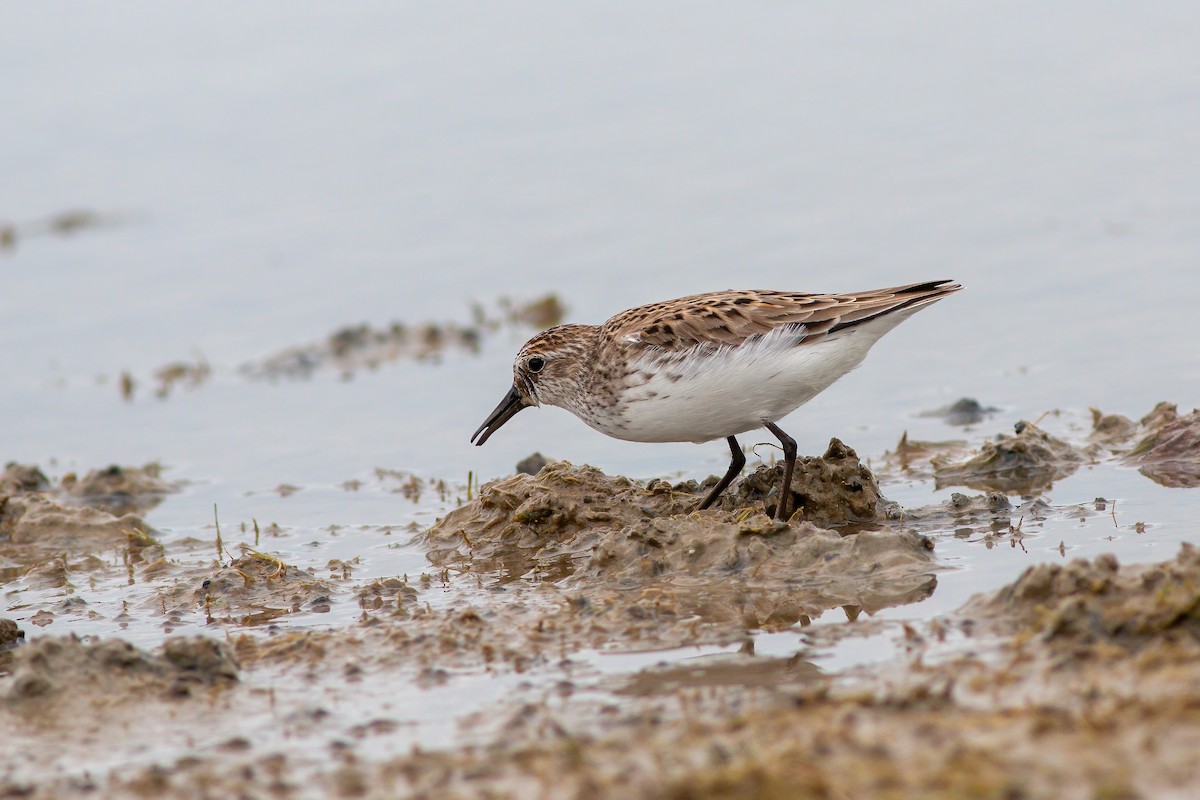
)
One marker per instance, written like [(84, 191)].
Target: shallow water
[(262, 179)]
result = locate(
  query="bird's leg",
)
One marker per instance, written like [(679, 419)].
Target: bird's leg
[(735, 466), (789, 464)]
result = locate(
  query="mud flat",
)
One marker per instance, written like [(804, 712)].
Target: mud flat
[(1076, 679)]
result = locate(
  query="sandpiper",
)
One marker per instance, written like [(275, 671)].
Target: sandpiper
[(707, 366)]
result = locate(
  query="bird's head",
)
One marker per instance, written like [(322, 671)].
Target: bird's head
[(547, 370)]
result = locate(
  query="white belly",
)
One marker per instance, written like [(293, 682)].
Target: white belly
[(733, 390)]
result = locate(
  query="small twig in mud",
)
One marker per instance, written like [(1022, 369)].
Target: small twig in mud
[(1015, 534), (1114, 514), (217, 522), (255, 533), (220, 545), (754, 449)]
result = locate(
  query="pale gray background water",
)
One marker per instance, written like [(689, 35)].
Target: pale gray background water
[(279, 170)]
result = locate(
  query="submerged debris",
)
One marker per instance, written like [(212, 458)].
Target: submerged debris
[(177, 374), (357, 347), (539, 314), (65, 223), (962, 412), (914, 459)]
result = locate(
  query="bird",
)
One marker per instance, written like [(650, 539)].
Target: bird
[(707, 366)]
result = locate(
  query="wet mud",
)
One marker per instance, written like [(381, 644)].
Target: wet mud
[(1077, 679), (60, 673)]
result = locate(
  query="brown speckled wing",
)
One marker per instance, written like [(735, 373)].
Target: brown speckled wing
[(732, 317)]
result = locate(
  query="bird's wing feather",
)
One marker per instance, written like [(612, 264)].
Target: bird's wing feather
[(733, 317)]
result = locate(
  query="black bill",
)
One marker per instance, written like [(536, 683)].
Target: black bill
[(508, 408)]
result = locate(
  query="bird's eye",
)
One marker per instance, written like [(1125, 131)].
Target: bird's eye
[(536, 363)]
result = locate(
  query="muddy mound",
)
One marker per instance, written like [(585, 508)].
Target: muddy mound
[(259, 588), (11, 637), (1164, 444), (1027, 463), (1111, 429), (21, 479), (566, 509), (36, 519), (53, 668), (563, 510), (1091, 602), (639, 563), (831, 491), (39, 518), (1168, 447), (119, 489)]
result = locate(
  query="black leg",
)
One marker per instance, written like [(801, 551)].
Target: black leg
[(789, 464), (735, 466)]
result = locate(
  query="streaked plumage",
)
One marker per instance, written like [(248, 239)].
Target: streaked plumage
[(706, 366)]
